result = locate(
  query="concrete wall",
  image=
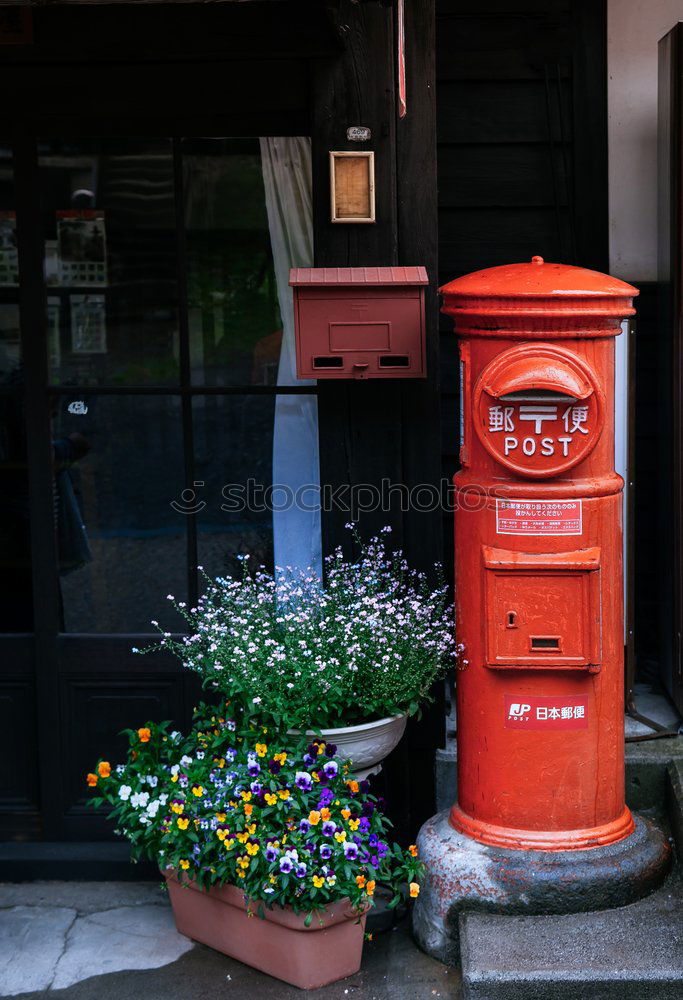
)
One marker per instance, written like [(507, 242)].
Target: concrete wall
[(633, 29)]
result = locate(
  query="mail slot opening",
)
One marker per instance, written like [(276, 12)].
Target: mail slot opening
[(394, 361), (324, 362), (548, 643), (538, 396)]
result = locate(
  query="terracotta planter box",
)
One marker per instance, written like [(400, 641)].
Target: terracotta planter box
[(307, 957)]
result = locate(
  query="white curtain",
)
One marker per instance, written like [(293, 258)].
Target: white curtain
[(287, 177)]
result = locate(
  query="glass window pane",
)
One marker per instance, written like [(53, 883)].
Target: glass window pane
[(16, 607), (110, 261), (119, 465), (233, 315), (10, 351), (234, 461)]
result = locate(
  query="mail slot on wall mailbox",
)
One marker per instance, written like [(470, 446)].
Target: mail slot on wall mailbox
[(359, 322)]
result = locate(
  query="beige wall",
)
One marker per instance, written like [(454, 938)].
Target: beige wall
[(633, 29)]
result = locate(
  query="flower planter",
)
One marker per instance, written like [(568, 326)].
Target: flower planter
[(281, 944), (368, 744)]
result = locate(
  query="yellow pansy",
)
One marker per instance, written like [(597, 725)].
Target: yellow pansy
[(318, 881), (271, 799), (228, 844), (183, 822), (284, 793), (184, 864), (197, 790), (252, 849), (340, 837), (346, 813), (174, 778), (414, 889), (243, 837), (353, 824), (246, 796), (261, 749), (314, 817), (177, 807), (220, 817)]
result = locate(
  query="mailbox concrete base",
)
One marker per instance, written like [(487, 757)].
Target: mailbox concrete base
[(463, 875)]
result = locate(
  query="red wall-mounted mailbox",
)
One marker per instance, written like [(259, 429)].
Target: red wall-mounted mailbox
[(359, 322)]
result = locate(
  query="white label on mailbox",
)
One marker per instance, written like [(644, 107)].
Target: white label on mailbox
[(539, 517)]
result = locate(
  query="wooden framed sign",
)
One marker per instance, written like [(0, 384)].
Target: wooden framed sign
[(352, 186)]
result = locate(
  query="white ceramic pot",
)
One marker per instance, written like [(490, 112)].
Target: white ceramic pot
[(368, 744)]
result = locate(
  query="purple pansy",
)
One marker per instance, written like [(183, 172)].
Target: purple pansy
[(303, 780), (330, 750), (301, 870), (350, 851), (286, 865), (304, 826), (329, 828), (325, 851), (271, 853), (364, 824), (274, 766), (326, 797), (330, 769)]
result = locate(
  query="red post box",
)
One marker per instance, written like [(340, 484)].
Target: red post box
[(359, 322), (539, 608)]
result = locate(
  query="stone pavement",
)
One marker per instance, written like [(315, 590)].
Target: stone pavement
[(117, 941)]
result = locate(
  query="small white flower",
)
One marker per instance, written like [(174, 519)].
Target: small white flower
[(185, 760), (124, 792), (257, 701)]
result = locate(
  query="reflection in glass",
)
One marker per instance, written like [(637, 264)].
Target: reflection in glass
[(10, 351), (234, 319), (233, 438), (16, 606), (110, 261), (119, 459)]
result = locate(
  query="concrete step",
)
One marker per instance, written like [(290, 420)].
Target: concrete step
[(631, 953)]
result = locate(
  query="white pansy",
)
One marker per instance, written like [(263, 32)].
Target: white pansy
[(124, 792), (139, 800)]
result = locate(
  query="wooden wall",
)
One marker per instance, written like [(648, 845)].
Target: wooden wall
[(522, 148)]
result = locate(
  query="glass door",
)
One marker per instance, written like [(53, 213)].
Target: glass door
[(148, 395)]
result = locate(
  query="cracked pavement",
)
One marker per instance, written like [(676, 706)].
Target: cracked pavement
[(117, 941)]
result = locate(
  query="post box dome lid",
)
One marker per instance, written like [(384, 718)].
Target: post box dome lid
[(537, 279)]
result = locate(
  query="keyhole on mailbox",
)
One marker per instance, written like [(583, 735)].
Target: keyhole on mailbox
[(511, 619)]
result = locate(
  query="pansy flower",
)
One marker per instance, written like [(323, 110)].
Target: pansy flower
[(329, 828), (325, 852), (303, 780), (350, 851)]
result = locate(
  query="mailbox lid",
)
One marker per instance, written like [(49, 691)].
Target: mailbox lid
[(312, 277)]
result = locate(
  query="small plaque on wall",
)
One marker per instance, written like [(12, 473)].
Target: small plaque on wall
[(352, 186)]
